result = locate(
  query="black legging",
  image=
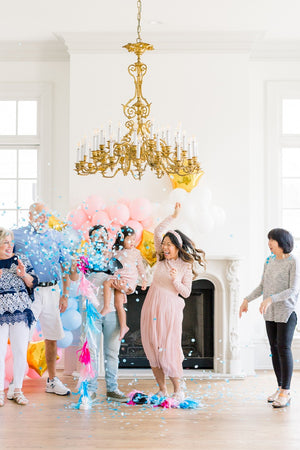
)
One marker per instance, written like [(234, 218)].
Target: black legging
[(280, 335)]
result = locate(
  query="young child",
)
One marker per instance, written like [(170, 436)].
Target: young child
[(124, 280)]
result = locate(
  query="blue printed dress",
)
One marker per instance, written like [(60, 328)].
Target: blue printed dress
[(15, 298)]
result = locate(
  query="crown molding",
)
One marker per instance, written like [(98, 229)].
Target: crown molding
[(33, 51), (250, 43), (276, 50), (190, 42)]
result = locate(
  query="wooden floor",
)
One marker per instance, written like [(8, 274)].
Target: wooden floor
[(233, 415)]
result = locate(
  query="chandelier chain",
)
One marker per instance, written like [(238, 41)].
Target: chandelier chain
[(139, 15)]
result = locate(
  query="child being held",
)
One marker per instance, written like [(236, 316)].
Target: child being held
[(124, 280)]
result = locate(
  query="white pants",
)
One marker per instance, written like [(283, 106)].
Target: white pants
[(18, 334)]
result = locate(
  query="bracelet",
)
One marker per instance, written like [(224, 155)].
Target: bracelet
[(66, 295)]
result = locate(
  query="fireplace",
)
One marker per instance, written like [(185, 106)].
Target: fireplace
[(216, 344), (197, 329)]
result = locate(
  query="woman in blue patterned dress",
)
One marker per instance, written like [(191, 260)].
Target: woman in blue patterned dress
[(17, 281)]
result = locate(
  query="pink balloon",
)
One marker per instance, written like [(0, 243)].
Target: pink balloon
[(9, 369), (138, 228), (32, 374), (147, 223), (101, 218), (92, 205), (118, 213), (8, 352), (37, 336), (124, 201), (76, 217), (140, 209)]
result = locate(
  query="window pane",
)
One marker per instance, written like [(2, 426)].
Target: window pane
[(27, 163), (8, 163), (291, 116), (291, 162), (8, 219), (7, 117), (8, 194), (23, 217), (27, 117), (27, 190), (291, 221), (291, 193)]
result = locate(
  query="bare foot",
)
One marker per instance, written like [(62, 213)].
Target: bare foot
[(105, 311), (123, 331)]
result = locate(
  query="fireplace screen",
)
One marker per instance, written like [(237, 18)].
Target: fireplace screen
[(197, 329)]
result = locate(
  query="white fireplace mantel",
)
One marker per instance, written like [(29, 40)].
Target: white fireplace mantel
[(223, 272)]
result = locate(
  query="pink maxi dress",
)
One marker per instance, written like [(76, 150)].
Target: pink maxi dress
[(162, 312)]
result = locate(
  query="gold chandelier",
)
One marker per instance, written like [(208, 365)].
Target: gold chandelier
[(140, 147)]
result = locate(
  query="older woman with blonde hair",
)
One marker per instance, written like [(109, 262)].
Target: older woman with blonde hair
[(16, 283)]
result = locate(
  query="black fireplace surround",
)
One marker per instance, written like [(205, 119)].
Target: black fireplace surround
[(197, 329)]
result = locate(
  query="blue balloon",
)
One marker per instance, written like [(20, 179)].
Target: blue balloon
[(73, 289), (71, 319), (72, 304), (65, 341), (76, 336)]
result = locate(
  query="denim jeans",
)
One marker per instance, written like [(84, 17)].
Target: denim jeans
[(109, 325)]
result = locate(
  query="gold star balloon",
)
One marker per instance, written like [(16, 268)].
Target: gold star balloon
[(146, 247), (186, 182)]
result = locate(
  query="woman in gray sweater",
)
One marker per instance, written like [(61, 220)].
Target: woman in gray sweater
[(279, 286)]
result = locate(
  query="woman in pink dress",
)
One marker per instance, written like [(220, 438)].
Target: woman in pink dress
[(162, 312)]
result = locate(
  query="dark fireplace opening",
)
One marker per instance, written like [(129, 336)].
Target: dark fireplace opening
[(197, 329)]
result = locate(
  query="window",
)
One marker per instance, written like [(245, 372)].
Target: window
[(283, 157), (24, 173), (18, 163)]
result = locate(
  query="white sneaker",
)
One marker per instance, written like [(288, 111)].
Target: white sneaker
[(10, 391), (55, 386)]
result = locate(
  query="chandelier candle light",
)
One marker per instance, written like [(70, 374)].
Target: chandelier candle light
[(141, 146)]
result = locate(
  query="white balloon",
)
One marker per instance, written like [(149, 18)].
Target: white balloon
[(177, 195), (219, 215), (201, 197), (206, 223)]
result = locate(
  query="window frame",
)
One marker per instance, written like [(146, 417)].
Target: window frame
[(42, 93), (275, 141)]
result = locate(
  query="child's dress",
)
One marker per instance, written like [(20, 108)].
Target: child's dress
[(133, 269), (162, 312)]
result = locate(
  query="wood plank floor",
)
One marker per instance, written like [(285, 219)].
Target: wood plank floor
[(233, 415)]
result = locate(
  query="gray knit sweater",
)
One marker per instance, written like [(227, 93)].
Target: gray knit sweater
[(281, 282)]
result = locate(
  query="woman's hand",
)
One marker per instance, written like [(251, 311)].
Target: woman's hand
[(176, 210), (265, 305), (21, 272), (243, 307), (173, 273), (144, 285)]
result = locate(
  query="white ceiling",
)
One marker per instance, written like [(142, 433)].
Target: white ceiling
[(35, 20)]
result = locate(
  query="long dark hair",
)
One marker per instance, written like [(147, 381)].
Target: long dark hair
[(122, 234), (187, 251)]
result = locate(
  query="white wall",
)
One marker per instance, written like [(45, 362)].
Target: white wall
[(56, 73), (219, 98)]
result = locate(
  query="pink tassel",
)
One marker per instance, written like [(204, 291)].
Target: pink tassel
[(169, 403), (83, 264), (85, 356), (87, 289)]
